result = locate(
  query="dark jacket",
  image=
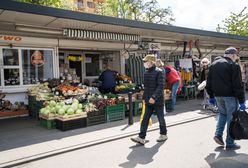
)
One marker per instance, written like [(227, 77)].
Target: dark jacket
[(224, 79), (108, 78), (154, 85)]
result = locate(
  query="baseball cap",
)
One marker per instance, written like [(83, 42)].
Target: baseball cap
[(150, 57), (231, 50)]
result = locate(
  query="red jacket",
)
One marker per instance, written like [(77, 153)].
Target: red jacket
[(172, 76)]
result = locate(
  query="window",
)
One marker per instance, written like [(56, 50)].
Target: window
[(11, 69), (37, 65), (92, 64), (25, 66), (90, 4), (80, 4)]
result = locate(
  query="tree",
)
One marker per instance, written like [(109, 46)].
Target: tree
[(235, 24), (140, 10), (65, 4)]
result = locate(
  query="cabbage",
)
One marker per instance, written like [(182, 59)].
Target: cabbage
[(42, 110), (75, 100), (79, 111), (62, 103), (52, 103), (57, 107), (53, 110), (74, 106), (70, 111), (61, 111), (66, 107), (80, 106), (46, 111)]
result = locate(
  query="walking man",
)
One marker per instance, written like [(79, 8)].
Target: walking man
[(224, 86), (154, 99)]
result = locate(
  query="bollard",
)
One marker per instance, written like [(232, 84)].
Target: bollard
[(130, 118)]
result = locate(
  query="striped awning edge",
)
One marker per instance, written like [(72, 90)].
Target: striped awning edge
[(96, 35)]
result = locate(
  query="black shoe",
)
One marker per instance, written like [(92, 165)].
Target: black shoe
[(233, 147), (219, 140), (169, 110)]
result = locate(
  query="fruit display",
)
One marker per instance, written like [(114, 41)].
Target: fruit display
[(41, 91), (62, 110), (102, 103), (41, 88), (124, 78), (68, 90), (125, 87)]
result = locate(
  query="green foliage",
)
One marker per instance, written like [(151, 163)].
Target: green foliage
[(235, 24), (140, 10), (65, 4)]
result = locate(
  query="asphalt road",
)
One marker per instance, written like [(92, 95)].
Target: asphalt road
[(189, 145)]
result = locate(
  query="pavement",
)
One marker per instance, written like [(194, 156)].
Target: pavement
[(23, 139)]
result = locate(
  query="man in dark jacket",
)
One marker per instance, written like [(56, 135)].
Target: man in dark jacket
[(224, 83), (108, 78), (154, 99)]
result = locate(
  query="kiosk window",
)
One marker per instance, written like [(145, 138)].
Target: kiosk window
[(37, 66)]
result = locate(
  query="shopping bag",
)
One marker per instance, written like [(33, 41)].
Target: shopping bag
[(238, 128), (143, 113)]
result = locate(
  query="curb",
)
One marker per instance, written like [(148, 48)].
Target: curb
[(26, 160)]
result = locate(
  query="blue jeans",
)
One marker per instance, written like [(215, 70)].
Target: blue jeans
[(226, 107), (149, 109), (174, 89)]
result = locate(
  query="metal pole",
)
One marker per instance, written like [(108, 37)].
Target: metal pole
[(130, 118)]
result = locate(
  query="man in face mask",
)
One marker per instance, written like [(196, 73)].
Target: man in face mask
[(154, 99), (224, 86)]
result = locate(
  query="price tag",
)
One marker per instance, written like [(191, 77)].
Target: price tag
[(68, 101)]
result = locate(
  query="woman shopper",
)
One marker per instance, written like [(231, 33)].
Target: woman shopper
[(154, 99), (203, 77), (173, 79)]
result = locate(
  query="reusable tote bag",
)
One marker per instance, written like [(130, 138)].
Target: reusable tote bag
[(239, 125), (143, 113)]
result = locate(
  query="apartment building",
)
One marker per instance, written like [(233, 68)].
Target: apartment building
[(86, 5)]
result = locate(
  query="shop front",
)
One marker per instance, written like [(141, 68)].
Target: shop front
[(57, 56)]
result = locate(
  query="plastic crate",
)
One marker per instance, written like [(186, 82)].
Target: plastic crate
[(115, 112), (49, 124), (95, 113), (97, 119), (71, 124)]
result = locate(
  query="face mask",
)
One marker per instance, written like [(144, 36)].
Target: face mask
[(237, 60), (145, 65)]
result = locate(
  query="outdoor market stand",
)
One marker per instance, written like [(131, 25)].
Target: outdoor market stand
[(38, 43)]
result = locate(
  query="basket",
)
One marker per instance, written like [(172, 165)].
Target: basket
[(70, 124), (115, 112), (49, 124)]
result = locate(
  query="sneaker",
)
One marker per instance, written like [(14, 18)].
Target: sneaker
[(233, 147), (139, 140), (219, 140), (162, 138)]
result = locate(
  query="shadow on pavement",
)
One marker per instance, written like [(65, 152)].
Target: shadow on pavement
[(141, 155), (24, 131), (227, 159)]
